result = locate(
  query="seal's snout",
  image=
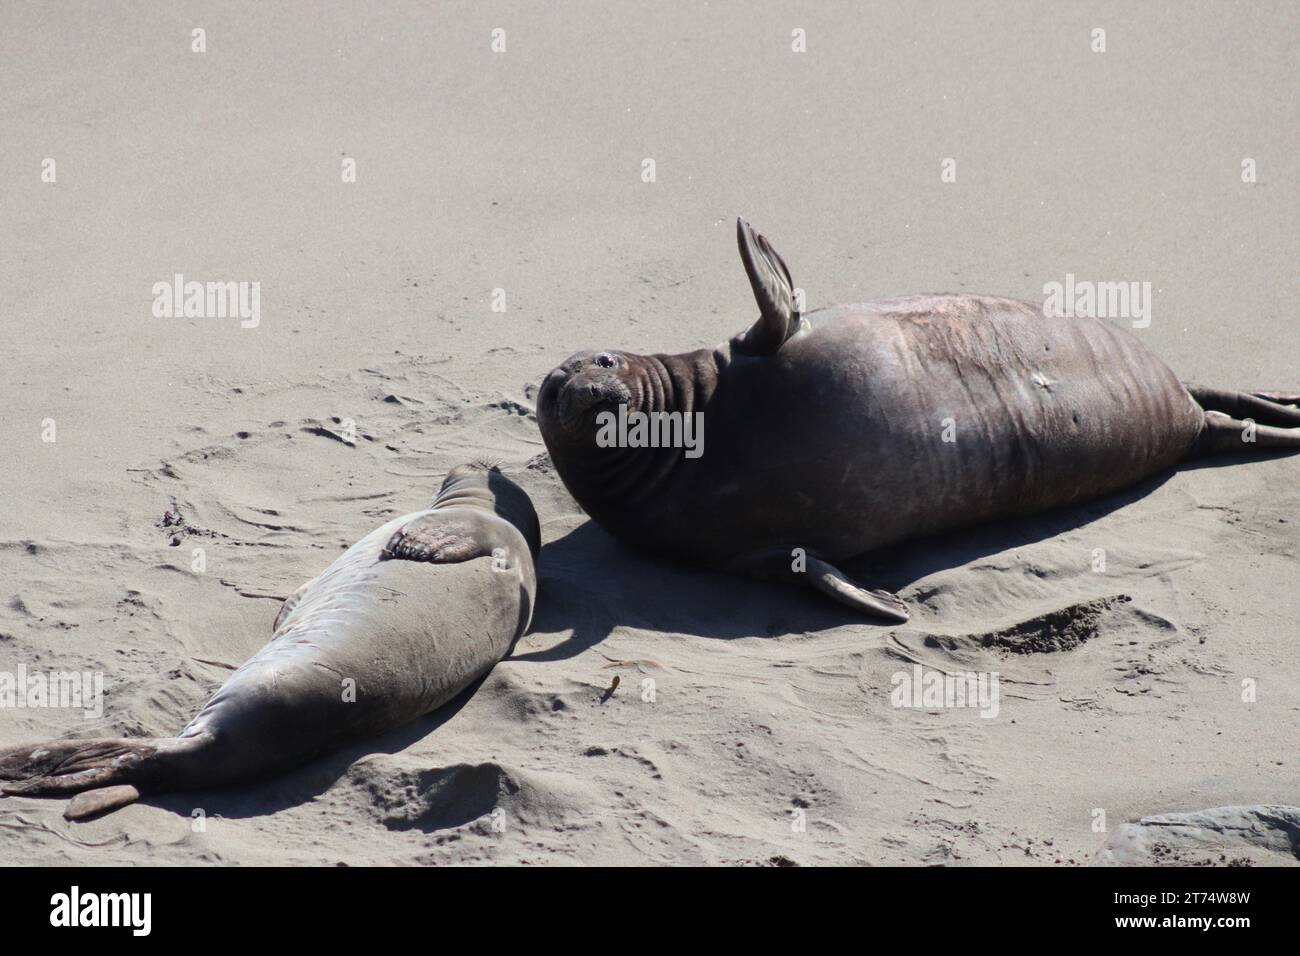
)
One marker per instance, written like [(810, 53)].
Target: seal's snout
[(585, 384), (585, 393)]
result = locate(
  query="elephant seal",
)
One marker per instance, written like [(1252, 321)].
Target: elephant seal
[(850, 428), (402, 622)]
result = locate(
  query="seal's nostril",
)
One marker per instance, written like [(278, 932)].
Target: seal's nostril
[(593, 391)]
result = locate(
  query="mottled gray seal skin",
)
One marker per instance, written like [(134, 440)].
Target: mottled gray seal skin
[(825, 433), (402, 622)]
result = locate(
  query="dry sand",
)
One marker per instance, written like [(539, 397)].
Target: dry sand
[(522, 171)]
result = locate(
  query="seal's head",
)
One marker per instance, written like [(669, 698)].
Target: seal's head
[(582, 387), (480, 483)]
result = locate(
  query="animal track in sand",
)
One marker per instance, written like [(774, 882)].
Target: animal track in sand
[(1059, 630), (630, 753), (461, 794), (1032, 652)]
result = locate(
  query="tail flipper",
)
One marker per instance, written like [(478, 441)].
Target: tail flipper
[(1246, 421), (1276, 409), (1279, 398), (95, 803), (108, 774)]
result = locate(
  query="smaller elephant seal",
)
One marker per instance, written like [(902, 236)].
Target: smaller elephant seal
[(846, 429), (402, 622)]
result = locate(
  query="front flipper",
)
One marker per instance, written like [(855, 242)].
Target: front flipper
[(773, 290), (800, 568), (832, 581), (436, 539)]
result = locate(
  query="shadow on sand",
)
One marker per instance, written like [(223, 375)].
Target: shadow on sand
[(299, 785), (592, 583)]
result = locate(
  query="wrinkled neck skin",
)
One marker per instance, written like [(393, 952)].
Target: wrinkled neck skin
[(465, 495), (611, 481)]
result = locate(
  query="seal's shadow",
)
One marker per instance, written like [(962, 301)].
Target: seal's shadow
[(592, 583)]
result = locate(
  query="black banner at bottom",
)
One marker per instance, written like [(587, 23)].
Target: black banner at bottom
[(335, 906)]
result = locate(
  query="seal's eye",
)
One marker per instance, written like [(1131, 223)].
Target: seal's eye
[(605, 360)]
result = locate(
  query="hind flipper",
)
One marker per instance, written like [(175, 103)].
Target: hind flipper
[(1223, 434), (1281, 398), (95, 803), (58, 785), (1263, 408), (66, 767)]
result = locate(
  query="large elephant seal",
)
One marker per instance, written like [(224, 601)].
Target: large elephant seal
[(833, 433), (398, 625)]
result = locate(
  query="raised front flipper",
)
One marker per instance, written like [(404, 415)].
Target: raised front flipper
[(773, 290)]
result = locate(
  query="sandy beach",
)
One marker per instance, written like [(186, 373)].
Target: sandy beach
[(167, 481)]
